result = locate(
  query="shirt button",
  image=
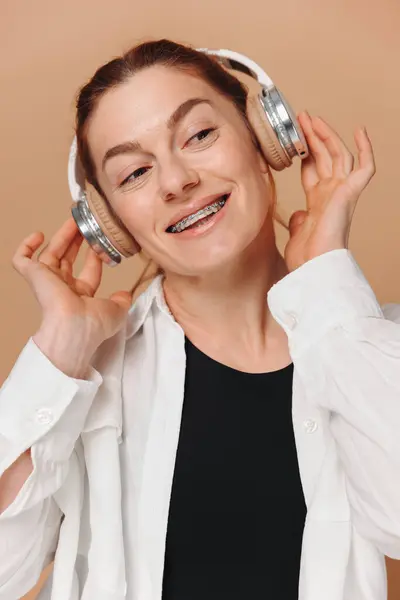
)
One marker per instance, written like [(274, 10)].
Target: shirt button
[(310, 426), (291, 321), (44, 416)]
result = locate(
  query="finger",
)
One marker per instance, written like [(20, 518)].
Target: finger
[(68, 260), (59, 244), (366, 168), (73, 249), (296, 221), (309, 173), (66, 271), (318, 150), (123, 299), (41, 252), (342, 158), (90, 276), (25, 251)]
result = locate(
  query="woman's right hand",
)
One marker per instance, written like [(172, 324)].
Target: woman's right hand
[(74, 321)]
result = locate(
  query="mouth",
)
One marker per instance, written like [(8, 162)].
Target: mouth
[(200, 217)]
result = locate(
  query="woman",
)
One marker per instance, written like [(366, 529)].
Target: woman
[(204, 443)]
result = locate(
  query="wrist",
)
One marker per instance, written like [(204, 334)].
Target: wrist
[(66, 349)]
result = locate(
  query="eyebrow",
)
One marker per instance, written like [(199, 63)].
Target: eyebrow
[(172, 122)]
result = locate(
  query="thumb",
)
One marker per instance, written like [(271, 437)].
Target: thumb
[(122, 299), (296, 220)]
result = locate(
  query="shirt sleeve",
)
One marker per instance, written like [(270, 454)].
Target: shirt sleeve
[(346, 349), (43, 409)]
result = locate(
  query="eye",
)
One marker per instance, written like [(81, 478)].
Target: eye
[(201, 136), (136, 174)]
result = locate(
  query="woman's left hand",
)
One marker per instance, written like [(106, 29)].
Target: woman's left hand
[(332, 185)]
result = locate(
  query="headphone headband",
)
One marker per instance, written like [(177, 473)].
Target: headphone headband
[(239, 62), (76, 178)]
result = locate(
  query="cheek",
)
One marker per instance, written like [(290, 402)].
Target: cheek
[(237, 159), (138, 217), (234, 157)]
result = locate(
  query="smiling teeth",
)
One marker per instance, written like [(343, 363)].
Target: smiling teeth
[(200, 214)]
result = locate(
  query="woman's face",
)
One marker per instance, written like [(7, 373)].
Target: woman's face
[(165, 145)]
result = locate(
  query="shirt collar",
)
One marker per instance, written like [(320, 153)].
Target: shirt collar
[(154, 294)]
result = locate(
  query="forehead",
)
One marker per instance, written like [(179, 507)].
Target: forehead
[(144, 103)]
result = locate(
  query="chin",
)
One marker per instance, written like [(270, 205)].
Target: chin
[(211, 258)]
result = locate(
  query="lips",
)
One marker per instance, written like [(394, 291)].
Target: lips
[(194, 208)]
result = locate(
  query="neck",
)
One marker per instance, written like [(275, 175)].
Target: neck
[(230, 306)]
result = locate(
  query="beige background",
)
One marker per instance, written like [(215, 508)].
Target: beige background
[(338, 59)]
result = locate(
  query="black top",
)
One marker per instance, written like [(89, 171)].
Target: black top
[(237, 508)]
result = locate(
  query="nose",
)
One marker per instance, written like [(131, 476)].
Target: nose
[(176, 178)]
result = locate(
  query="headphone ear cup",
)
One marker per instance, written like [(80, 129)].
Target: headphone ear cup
[(269, 143), (115, 232)]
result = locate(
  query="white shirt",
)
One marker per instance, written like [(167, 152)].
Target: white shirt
[(104, 449)]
